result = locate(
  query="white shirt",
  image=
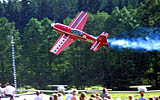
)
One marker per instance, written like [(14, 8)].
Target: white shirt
[(1, 91), (60, 98), (38, 98), (9, 90), (68, 96)]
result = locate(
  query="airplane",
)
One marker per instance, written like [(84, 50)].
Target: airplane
[(59, 87), (141, 88), (69, 34)]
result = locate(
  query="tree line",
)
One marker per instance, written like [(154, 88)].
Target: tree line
[(29, 22)]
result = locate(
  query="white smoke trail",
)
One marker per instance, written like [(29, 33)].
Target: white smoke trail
[(147, 39), (147, 44)]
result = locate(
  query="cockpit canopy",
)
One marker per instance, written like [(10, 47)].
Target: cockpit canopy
[(77, 32)]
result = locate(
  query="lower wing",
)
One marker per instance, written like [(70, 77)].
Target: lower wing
[(62, 42)]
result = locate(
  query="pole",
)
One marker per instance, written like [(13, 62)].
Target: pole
[(14, 65)]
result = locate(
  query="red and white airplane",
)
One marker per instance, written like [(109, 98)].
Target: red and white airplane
[(74, 32)]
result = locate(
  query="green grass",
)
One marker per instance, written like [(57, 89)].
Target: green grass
[(136, 95), (98, 87)]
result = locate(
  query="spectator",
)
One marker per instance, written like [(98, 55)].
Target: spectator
[(142, 96), (93, 96), (60, 96), (38, 97), (68, 96), (50, 98), (11, 98), (104, 94), (55, 97), (109, 97), (74, 93), (151, 99), (9, 90), (131, 97), (1, 91), (83, 96), (98, 97)]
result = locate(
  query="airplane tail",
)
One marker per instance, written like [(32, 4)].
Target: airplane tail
[(100, 41)]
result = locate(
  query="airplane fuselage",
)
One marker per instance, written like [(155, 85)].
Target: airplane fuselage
[(75, 33)]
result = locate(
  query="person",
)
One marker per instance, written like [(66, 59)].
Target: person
[(104, 94), (98, 97), (11, 98), (60, 96), (93, 96), (83, 96), (55, 97), (1, 91), (50, 98), (142, 96), (131, 97), (74, 93), (9, 90), (38, 97), (151, 99), (68, 95), (109, 97)]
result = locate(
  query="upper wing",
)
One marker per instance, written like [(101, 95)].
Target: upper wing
[(79, 21), (62, 42)]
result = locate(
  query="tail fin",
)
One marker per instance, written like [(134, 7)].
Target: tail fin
[(100, 41)]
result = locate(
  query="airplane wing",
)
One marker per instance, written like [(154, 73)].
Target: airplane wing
[(62, 42), (65, 40), (139, 86), (79, 21)]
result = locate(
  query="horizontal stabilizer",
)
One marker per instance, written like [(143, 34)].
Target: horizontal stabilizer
[(95, 46), (101, 40)]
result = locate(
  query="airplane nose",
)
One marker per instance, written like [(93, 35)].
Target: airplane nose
[(52, 24)]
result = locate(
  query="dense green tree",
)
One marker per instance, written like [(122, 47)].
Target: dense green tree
[(91, 5), (122, 22), (149, 13), (154, 70), (31, 41), (2, 9), (7, 30), (64, 8), (13, 9)]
